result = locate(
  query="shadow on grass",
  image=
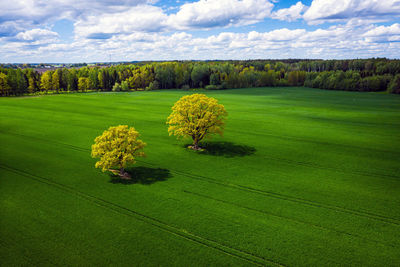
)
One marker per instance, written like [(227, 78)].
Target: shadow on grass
[(226, 149), (142, 175)]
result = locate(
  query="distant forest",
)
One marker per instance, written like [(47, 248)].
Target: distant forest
[(351, 75)]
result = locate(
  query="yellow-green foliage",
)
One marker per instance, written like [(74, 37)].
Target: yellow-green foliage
[(196, 116), (45, 81), (117, 147)]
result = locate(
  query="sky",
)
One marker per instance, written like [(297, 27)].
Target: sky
[(75, 31)]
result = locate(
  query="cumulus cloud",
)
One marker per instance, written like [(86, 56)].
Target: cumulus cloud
[(143, 18), (36, 34), (8, 29), (32, 39), (393, 29), (28, 14), (277, 35), (334, 10), (130, 15), (384, 34), (42, 10), (203, 14), (290, 14), (339, 41), (220, 13), (136, 30)]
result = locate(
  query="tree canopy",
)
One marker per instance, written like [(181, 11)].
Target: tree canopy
[(116, 148), (196, 116), (375, 74)]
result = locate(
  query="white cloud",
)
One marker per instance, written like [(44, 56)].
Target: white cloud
[(203, 14), (143, 18), (147, 32), (290, 14), (96, 19), (336, 10), (384, 34), (28, 14), (220, 13), (43, 10), (277, 35), (340, 41), (393, 29), (37, 34)]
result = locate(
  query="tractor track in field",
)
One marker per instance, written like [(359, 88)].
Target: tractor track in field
[(282, 137), (298, 139), (289, 219), (365, 214), (234, 252), (278, 159), (346, 171)]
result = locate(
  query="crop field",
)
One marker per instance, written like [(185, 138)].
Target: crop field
[(301, 177)]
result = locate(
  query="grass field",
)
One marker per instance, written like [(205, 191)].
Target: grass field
[(301, 177)]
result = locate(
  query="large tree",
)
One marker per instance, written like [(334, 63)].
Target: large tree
[(117, 147), (55, 80), (200, 75), (83, 84), (196, 116), (45, 81), (5, 88)]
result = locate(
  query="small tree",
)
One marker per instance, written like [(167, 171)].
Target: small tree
[(117, 147), (124, 86), (83, 84), (196, 116), (116, 87), (45, 81)]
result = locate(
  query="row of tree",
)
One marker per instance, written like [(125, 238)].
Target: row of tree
[(355, 75)]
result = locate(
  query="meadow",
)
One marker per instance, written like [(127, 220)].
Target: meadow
[(301, 177)]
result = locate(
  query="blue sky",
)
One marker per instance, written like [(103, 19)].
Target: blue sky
[(128, 30)]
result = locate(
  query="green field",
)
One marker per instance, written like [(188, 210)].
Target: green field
[(302, 177)]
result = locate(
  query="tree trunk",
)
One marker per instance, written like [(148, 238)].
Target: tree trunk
[(195, 145), (123, 174)]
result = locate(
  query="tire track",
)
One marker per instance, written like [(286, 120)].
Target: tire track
[(364, 214), (271, 194), (290, 219), (282, 137), (305, 140), (234, 252), (278, 159)]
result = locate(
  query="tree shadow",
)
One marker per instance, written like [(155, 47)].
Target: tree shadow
[(226, 149), (142, 175)]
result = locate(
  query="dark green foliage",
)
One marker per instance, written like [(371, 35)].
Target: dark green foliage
[(394, 86), (296, 78), (17, 81), (212, 87), (200, 75), (165, 75), (349, 81), (375, 83), (268, 78), (349, 75), (153, 86), (215, 79)]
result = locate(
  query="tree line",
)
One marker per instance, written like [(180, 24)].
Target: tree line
[(378, 74)]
